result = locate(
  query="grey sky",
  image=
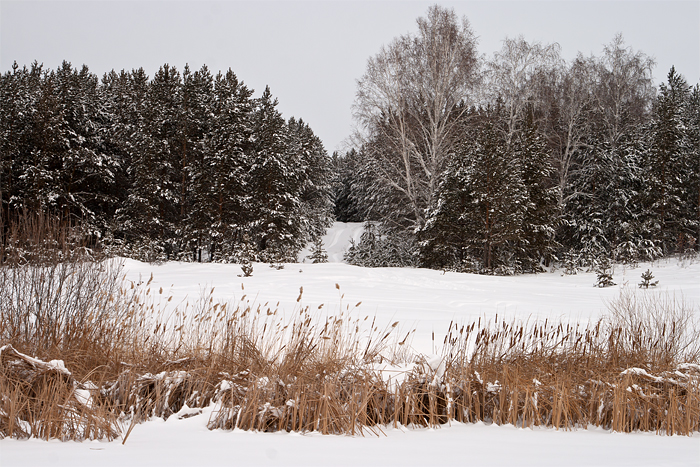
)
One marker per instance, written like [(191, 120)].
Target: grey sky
[(312, 52)]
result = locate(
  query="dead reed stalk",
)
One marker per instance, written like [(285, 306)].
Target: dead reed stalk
[(127, 358)]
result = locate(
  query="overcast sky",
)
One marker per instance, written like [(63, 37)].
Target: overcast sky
[(311, 53)]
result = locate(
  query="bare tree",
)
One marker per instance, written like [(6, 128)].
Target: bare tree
[(569, 110), (410, 100), (594, 98), (623, 90), (516, 76)]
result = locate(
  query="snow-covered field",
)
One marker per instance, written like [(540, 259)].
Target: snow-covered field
[(424, 300), (188, 443)]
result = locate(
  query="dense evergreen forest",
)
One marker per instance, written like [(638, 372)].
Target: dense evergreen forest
[(163, 168), (500, 165)]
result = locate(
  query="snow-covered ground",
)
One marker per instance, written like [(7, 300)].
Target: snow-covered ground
[(336, 241), (420, 299), (424, 300), (187, 442)]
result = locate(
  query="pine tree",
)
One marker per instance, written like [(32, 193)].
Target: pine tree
[(194, 121), (604, 273), (318, 253), (19, 91), (148, 219), (40, 174), (313, 171), (162, 168), (646, 280), (692, 117), (274, 186), (223, 184), (245, 255), (124, 95), (87, 169)]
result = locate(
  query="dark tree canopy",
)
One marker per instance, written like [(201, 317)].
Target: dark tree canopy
[(168, 167)]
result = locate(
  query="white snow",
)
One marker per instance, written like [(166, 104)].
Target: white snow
[(421, 299), (187, 442), (56, 365), (336, 241), (424, 300)]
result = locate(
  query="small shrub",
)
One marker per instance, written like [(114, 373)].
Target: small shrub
[(656, 328), (247, 268), (245, 254)]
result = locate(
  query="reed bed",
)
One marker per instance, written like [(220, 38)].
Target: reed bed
[(87, 354)]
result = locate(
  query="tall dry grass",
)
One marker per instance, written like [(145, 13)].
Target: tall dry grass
[(86, 354), (44, 238)]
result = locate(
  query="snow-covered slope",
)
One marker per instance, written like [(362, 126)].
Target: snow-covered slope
[(336, 241)]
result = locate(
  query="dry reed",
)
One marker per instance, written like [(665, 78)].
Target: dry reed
[(125, 359)]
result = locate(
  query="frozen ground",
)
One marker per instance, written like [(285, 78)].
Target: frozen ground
[(424, 300), (187, 442)]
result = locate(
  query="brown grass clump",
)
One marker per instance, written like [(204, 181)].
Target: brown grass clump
[(566, 376), (124, 359), (43, 400), (41, 238)]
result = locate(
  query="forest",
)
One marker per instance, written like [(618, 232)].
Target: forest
[(162, 168), (498, 165)]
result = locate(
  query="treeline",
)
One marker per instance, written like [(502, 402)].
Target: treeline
[(512, 163), (499, 165), (168, 167)]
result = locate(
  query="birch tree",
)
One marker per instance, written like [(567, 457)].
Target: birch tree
[(410, 99), (569, 109), (516, 76), (623, 91)]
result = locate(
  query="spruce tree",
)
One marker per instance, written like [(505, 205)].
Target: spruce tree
[(536, 243), (646, 280), (672, 166), (604, 213), (604, 273), (273, 185), (482, 202), (313, 173), (318, 253), (349, 196)]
